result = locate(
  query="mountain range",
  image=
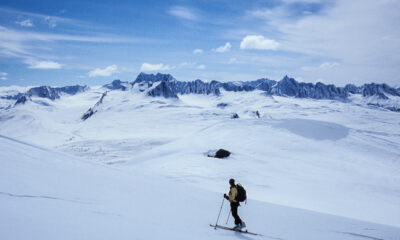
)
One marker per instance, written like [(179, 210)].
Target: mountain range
[(165, 85)]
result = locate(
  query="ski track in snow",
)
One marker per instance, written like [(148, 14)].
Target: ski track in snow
[(40, 197)]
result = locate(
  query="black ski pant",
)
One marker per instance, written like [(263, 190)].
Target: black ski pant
[(234, 210)]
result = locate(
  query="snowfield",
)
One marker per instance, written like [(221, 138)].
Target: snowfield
[(137, 168)]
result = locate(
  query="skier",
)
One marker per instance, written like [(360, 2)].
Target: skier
[(233, 192)]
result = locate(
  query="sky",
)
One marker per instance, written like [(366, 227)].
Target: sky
[(50, 42)]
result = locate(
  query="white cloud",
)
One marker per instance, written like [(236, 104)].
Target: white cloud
[(192, 65), (51, 21), (148, 67), (327, 65), (201, 67), (104, 72), (322, 66), (46, 18), (362, 35), (3, 75), (258, 42), (13, 36), (28, 45), (25, 23), (224, 48), (232, 60), (197, 51), (184, 64), (183, 12), (43, 64)]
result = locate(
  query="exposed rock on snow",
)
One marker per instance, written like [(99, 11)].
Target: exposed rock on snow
[(51, 93), (117, 85), (152, 78), (22, 100), (379, 90), (220, 153), (290, 87), (170, 87), (263, 84), (93, 109), (222, 105), (54, 93), (234, 115), (12, 97), (161, 89), (197, 87)]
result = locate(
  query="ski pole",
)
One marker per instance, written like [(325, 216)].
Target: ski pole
[(223, 199), (228, 217)]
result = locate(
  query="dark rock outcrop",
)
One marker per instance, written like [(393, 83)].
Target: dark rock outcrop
[(54, 93), (290, 87), (117, 85), (43, 92), (379, 90), (234, 115), (170, 87), (12, 97), (222, 153), (152, 78), (351, 88), (196, 87), (162, 90), (93, 109), (222, 105), (22, 100), (263, 84)]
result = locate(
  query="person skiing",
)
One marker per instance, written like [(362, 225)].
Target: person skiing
[(232, 197)]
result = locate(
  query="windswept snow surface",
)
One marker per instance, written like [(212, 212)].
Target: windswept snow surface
[(49, 195), (313, 169)]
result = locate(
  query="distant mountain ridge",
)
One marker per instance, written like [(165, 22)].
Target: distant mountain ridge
[(165, 85), (285, 87), (51, 93)]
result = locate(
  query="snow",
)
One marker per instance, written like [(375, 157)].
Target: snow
[(313, 169), (55, 196)]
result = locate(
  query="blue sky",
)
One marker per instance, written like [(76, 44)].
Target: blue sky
[(93, 42)]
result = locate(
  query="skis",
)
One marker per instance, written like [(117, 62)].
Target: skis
[(235, 230)]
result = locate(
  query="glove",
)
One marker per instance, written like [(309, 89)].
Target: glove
[(226, 196)]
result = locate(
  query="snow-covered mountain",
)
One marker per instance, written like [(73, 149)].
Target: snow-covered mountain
[(54, 93), (165, 85)]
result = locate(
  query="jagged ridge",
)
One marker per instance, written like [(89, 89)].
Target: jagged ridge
[(165, 85), (285, 87)]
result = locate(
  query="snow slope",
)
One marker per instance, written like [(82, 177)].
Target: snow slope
[(306, 156), (49, 195)]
